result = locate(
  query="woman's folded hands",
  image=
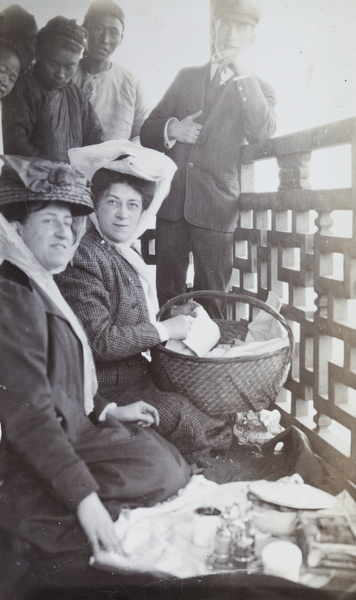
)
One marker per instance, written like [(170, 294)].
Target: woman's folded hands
[(139, 412)]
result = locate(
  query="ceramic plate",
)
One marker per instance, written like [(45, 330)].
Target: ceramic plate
[(291, 494)]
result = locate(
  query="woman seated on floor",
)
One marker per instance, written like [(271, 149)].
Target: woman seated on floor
[(65, 477), (108, 287)]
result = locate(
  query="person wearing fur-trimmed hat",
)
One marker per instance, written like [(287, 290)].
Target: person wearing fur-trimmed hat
[(114, 91), (47, 114), (203, 120)]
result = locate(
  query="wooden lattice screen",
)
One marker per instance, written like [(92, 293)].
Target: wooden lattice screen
[(286, 242)]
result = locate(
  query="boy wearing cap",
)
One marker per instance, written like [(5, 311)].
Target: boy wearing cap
[(115, 92), (202, 122), (47, 114)]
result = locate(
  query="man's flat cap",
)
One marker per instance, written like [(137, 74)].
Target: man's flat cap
[(239, 10)]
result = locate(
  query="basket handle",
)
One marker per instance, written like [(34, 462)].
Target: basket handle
[(244, 298)]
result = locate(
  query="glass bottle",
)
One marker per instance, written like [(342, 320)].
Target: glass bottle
[(243, 546), (221, 556)]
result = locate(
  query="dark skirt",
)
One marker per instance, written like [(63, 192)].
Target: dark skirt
[(196, 434), (133, 466)]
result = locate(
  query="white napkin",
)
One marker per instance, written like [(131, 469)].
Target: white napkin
[(203, 336)]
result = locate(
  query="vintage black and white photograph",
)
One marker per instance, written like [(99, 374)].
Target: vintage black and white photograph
[(177, 300)]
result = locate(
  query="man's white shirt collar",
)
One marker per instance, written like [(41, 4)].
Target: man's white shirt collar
[(224, 75)]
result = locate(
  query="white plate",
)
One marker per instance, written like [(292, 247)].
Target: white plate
[(291, 492)]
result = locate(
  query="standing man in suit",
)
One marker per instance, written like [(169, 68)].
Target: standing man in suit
[(203, 120)]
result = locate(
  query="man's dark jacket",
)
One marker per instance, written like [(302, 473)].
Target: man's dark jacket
[(206, 188)]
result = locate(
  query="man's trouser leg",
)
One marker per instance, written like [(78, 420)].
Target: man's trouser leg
[(213, 263), (172, 258)]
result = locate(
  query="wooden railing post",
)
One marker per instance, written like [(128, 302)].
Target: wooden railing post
[(294, 170)]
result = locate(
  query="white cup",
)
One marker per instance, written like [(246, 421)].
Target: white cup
[(282, 559), (205, 523)]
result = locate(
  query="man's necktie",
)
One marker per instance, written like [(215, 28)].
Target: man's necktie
[(211, 93)]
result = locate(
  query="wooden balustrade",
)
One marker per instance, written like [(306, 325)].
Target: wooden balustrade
[(285, 242)]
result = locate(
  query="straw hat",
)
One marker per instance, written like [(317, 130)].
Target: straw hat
[(28, 179)]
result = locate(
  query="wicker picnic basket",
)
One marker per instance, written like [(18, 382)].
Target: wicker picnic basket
[(221, 386)]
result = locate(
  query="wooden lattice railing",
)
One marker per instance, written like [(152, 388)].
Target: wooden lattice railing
[(286, 242)]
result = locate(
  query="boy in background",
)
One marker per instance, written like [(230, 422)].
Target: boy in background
[(19, 28), (9, 71), (116, 93), (48, 114)]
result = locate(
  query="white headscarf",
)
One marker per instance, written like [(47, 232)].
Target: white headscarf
[(142, 163), (13, 249)]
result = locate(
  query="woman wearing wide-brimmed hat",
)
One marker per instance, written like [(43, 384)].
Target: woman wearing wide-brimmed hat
[(64, 477), (113, 293)]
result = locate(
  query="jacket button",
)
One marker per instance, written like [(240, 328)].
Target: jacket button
[(191, 164)]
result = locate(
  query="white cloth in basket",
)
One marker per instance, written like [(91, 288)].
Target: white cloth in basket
[(203, 336), (264, 326)]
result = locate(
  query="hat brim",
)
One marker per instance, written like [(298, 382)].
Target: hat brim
[(241, 18), (16, 193)]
